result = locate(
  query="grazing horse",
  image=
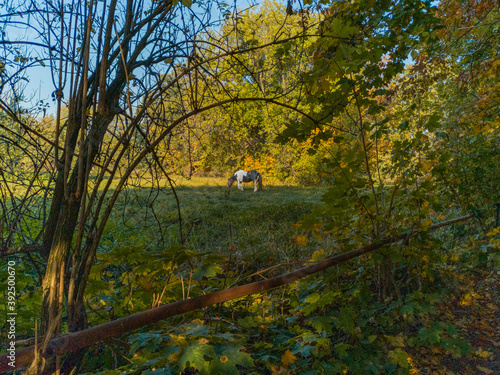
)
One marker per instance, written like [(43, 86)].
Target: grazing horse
[(244, 176)]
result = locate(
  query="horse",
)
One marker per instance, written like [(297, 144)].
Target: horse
[(244, 176)]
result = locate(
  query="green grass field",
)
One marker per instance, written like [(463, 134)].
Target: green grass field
[(258, 224)]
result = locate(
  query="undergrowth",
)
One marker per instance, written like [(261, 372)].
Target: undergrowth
[(373, 315)]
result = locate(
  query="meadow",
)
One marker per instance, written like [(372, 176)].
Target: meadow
[(257, 229)]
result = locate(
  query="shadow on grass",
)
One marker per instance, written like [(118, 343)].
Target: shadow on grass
[(261, 222)]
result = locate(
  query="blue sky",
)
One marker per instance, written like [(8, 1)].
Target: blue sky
[(39, 86)]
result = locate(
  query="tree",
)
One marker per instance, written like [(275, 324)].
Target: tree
[(242, 134), (408, 147)]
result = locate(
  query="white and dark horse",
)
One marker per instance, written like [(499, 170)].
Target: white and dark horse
[(244, 176)]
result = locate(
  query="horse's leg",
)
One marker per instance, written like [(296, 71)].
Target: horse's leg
[(240, 185), (255, 184)]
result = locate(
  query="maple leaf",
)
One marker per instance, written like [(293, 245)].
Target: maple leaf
[(300, 240), (288, 358)]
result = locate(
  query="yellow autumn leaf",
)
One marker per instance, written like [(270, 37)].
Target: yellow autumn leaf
[(317, 256), (483, 353), (493, 232), (427, 222), (426, 166), (288, 358), (466, 300), (469, 298), (301, 240)]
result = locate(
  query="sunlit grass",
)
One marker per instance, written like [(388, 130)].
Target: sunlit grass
[(257, 224), (251, 224), (195, 181)]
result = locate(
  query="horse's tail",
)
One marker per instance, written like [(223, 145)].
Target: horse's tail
[(260, 182)]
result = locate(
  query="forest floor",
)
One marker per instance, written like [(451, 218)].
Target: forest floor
[(475, 311)]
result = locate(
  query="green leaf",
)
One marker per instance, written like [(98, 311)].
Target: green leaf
[(345, 321), (431, 335), (161, 371), (371, 338), (206, 270), (187, 3), (197, 330), (396, 341), (235, 354), (227, 357), (342, 349), (404, 125), (304, 350), (249, 322), (316, 301), (149, 340), (399, 357), (222, 366), (322, 323), (198, 356)]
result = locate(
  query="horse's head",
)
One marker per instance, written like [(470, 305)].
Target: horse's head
[(230, 181)]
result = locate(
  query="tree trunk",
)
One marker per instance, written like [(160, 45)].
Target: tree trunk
[(65, 277)]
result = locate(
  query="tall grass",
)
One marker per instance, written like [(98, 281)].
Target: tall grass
[(248, 224)]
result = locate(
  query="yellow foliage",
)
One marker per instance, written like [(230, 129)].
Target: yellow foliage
[(468, 299), (265, 167), (317, 256), (300, 240), (482, 353), (427, 222), (426, 166), (288, 358), (493, 232)]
